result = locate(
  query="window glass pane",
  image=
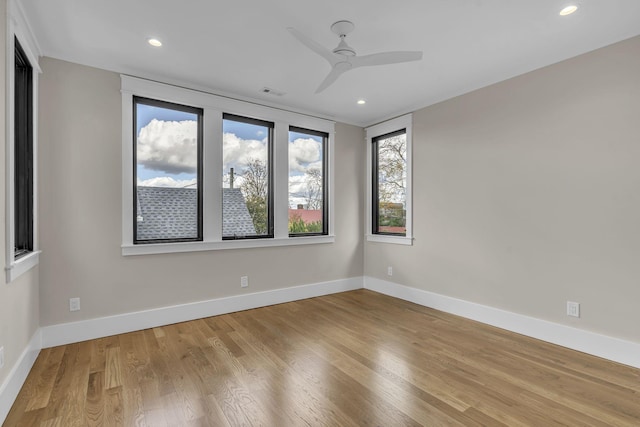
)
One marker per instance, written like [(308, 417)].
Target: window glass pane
[(167, 157), (246, 204), (306, 182), (391, 177)]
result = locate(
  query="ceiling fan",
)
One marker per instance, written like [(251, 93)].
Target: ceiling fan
[(343, 58)]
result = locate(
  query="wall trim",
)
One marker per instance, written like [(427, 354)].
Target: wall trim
[(17, 376), (614, 349), (66, 333)]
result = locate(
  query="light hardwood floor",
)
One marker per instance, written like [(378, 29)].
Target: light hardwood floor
[(352, 359)]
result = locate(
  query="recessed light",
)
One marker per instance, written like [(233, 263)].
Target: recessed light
[(361, 102), (154, 42), (568, 10)]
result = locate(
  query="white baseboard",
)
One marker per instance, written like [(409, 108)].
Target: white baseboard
[(13, 383), (66, 333), (615, 349)]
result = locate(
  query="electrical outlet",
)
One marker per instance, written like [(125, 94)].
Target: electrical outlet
[(244, 281), (74, 304), (573, 309), (1, 357), (389, 271)]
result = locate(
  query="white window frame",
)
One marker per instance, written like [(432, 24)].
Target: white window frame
[(393, 125), (214, 106), (18, 28)]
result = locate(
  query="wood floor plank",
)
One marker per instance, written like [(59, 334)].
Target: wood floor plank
[(113, 376), (46, 380), (349, 359), (68, 392), (114, 407), (177, 346), (94, 414), (134, 372)]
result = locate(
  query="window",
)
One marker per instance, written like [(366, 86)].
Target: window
[(390, 184), (23, 154), (167, 198), (389, 200), (204, 172), (247, 204), (21, 148), (307, 184)]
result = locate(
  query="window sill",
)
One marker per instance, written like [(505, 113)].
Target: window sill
[(396, 240), (168, 248), (18, 267)]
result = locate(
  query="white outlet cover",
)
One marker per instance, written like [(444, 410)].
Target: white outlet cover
[(244, 281), (573, 309), (74, 304)]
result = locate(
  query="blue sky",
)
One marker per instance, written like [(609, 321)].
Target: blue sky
[(147, 112), (244, 130)]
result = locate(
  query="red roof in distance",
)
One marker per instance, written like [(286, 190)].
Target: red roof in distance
[(307, 216)]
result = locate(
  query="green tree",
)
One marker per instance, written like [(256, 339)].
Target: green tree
[(255, 189), (297, 225)]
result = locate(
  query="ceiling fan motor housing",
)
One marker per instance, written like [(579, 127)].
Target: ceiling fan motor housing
[(344, 49)]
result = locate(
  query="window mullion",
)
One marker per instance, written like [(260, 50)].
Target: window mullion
[(330, 181), (281, 180), (409, 184), (212, 176)]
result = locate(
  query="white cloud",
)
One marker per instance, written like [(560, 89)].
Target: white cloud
[(302, 152), (297, 185), (168, 146), (167, 181), (238, 152)]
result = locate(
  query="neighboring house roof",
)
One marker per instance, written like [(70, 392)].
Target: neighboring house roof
[(236, 220), (307, 216), (171, 213)]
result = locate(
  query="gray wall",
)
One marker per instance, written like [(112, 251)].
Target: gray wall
[(19, 312), (80, 205), (527, 194)]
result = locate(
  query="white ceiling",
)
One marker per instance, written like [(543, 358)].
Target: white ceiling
[(238, 47)]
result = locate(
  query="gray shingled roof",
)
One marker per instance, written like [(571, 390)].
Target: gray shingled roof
[(236, 220), (171, 213)]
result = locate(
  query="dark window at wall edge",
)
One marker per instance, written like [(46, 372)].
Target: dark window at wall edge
[(270, 221), (23, 153), (178, 107), (325, 173), (375, 197)]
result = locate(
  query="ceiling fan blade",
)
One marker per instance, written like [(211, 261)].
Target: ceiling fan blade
[(331, 78), (314, 46), (385, 58)]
